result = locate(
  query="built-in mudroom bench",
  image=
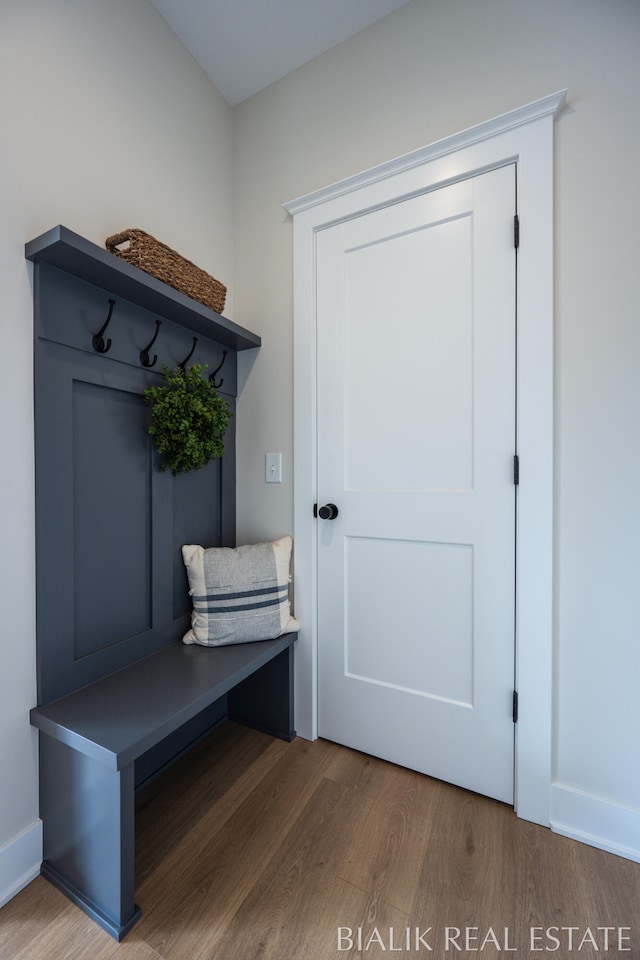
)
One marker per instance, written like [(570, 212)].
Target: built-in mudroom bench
[(120, 697)]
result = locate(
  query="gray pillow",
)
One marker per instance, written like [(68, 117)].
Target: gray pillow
[(239, 594)]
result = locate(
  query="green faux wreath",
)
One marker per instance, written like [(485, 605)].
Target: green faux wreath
[(188, 419)]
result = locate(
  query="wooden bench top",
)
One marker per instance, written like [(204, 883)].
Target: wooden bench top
[(117, 719)]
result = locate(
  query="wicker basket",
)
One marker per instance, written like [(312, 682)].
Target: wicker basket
[(144, 251)]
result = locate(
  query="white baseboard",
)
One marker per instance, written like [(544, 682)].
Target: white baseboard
[(600, 823), (20, 861)]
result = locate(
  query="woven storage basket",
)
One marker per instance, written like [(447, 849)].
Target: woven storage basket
[(144, 251)]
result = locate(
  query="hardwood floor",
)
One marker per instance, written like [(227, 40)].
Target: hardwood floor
[(255, 849)]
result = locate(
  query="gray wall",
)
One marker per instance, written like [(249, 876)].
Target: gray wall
[(429, 70), (107, 123)]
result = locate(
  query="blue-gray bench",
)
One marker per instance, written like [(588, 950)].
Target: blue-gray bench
[(92, 739)]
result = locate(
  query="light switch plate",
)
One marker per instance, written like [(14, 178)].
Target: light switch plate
[(273, 467)]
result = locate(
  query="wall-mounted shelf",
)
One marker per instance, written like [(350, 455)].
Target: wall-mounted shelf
[(68, 251)]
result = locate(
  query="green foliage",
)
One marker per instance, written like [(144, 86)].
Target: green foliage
[(188, 419)]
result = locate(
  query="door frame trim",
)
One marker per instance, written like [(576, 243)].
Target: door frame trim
[(524, 136)]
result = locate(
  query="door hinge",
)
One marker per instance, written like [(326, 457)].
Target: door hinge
[(516, 469), (515, 706), (516, 231)]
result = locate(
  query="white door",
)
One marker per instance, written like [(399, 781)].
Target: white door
[(416, 341)]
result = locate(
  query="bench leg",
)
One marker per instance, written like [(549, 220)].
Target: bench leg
[(88, 814), (264, 700)]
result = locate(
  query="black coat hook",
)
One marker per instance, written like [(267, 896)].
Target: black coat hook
[(189, 355), (98, 340), (219, 367), (144, 354)]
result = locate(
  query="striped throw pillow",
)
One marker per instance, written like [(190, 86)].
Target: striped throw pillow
[(239, 594)]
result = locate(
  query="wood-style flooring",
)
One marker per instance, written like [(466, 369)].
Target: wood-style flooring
[(254, 849)]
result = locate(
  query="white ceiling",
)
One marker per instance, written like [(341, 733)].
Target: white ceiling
[(244, 45)]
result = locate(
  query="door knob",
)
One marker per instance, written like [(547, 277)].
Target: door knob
[(328, 512)]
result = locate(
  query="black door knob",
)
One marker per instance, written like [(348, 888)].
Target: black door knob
[(328, 512)]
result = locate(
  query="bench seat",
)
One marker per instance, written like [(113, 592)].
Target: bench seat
[(90, 741), (117, 719)]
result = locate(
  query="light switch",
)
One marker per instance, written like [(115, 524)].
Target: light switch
[(273, 467)]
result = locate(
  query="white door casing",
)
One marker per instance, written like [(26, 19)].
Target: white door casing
[(525, 137), (416, 437)]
